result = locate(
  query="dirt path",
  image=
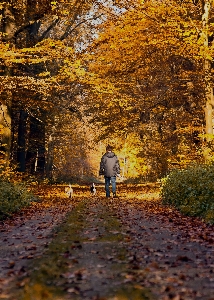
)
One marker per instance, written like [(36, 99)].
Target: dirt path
[(23, 238), (126, 249), (174, 253)]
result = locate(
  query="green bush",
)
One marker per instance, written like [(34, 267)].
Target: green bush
[(13, 197), (191, 191)]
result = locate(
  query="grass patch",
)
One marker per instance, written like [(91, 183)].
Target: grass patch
[(111, 227), (135, 293), (89, 243), (46, 280)]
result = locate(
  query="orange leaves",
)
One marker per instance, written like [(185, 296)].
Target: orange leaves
[(42, 54), (139, 32), (128, 248), (149, 54)]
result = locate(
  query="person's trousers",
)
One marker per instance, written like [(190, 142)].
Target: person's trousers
[(108, 181)]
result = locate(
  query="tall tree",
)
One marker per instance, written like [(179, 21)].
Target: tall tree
[(154, 58), (38, 53)]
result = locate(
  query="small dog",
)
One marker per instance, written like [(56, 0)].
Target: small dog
[(93, 189), (69, 191)]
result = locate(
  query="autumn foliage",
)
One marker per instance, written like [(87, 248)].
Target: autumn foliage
[(80, 74)]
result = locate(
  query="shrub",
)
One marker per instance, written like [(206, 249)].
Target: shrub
[(13, 197), (191, 191)]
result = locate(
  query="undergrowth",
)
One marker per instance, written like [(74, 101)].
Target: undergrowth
[(13, 197), (191, 191)]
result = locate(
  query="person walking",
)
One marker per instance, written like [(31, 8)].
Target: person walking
[(110, 168)]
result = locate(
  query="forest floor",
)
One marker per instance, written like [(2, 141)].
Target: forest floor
[(129, 247)]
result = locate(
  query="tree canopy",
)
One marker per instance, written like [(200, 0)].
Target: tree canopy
[(133, 71)]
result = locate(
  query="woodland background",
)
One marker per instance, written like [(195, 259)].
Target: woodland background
[(77, 75)]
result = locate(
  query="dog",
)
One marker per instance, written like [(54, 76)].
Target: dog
[(93, 189), (69, 191)]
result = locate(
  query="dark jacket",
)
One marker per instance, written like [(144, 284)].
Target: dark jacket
[(109, 165)]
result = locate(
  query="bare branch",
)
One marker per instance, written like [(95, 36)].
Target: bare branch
[(69, 30), (45, 33)]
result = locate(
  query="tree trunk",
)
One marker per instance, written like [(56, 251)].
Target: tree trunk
[(21, 153), (207, 69), (208, 109), (50, 156), (5, 122), (7, 27), (35, 155)]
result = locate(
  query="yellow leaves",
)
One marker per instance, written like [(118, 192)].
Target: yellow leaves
[(103, 87), (77, 63), (55, 17), (1, 128), (2, 4), (188, 33), (10, 56), (72, 71), (206, 52), (53, 5), (44, 51), (65, 12), (80, 72), (208, 136), (44, 74), (42, 85)]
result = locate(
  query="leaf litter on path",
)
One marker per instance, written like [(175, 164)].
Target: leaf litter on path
[(127, 249), (86, 260)]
